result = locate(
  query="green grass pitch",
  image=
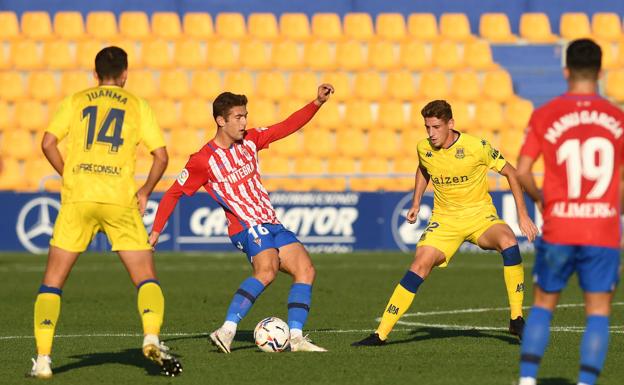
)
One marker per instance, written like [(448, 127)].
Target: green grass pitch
[(99, 331)]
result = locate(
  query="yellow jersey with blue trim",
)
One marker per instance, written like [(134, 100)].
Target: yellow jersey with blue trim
[(103, 126), (459, 173)]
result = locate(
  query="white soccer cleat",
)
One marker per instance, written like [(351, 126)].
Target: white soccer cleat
[(41, 367), (303, 344), (222, 339), (157, 352), (527, 381)]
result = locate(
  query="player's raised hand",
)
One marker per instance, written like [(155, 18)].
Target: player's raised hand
[(324, 91), (527, 227), (153, 238), (412, 214)]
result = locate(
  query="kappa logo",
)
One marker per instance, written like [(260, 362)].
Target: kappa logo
[(145, 311), (520, 288), (46, 322), (428, 154), (35, 224), (392, 309)]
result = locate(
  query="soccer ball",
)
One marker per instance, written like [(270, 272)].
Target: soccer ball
[(272, 335)]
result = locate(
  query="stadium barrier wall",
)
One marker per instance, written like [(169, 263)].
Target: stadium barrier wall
[(324, 222)]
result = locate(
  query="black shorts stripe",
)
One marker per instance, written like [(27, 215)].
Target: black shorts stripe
[(299, 305), (246, 295), (590, 369), (532, 358)]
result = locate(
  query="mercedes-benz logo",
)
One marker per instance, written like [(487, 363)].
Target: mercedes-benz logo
[(42, 226)]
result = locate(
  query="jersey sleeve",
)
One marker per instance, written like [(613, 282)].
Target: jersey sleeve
[(492, 157), (60, 123), (151, 135), (532, 146), (194, 175)]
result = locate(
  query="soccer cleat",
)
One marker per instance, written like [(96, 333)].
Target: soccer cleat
[(372, 340), (516, 327), (41, 367), (158, 353), (222, 339), (303, 344), (527, 380)]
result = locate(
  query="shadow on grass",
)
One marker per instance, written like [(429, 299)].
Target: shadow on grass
[(130, 357), (426, 333), (241, 336), (555, 381)]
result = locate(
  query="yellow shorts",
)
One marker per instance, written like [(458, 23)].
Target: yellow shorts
[(446, 232), (78, 222)]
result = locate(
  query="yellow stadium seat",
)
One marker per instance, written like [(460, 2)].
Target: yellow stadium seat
[(6, 118), (142, 83), (478, 55), (156, 54), (69, 25), (183, 142), (422, 26), (197, 113), (400, 86), (239, 82), (391, 115), (358, 115), (287, 106), (607, 26), (188, 54), (574, 25), (409, 142), (318, 142), (166, 25), (75, 81), (465, 86), (38, 171), (489, 116), (342, 168), (614, 86), (85, 53), (290, 146), (135, 60), (497, 86), (455, 26), (312, 167), (57, 55), (166, 113), (12, 175), (5, 61), (198, 25), (102, 25), (12, 86), (326, 26), (26, 55), (517, 113), (174, 84), (464, 121), (295, 26), (225, 58), (134, 25), (30, 115), (535, 28), (510, 142), (17, 144), (10, 25), (351, 142), (494, 27), (341, 83), (42, 86), (271, 85), (381, 56), (358, 26), (317, 56), (230, 26), (368, 86), (414, 56), (303, 85), (285, 56), (433, 85), (254, 55), (206, 84), (383, 143), (261, 113), (36, 25), (263, 26), (270, 164), (328, 117), (372, 183), (445, 56), (609, 57), (403, 165), (391, 26), (350, 56)]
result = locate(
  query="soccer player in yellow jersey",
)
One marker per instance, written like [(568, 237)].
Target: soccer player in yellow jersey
[(457, 165), (103, 126)]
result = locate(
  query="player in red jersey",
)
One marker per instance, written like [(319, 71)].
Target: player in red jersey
[(579, 134), (227, 167)]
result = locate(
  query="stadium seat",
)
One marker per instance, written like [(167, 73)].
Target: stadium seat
[(295, 26), (497, 86), (42, 86), (326, 26), (10, 26), (328, 117), (183, 142), (156, 54), (407, 166), (261, 113), (609, 57), (221, 55), (465, 86), (464, 121), (372, 165), (391, 27), (57, 55), (349, 56), (13, 88), (17, 144), (341, 83), (206, 84), (358, 115), (489, 116), (422, 27), (391, 115), (287, 106), (535, 28), (85, 53), (263, 26), (198, 25), (478, 55), (254, 55), (510, 142), (166, 112), (318, 142), (455, 26), (433, 85), (271, 85), (274, 165), (343, 166), (614, 86), (75, 81), (25, 55), (174, 84), (517, 113), (607, 26), (69, 25), (6, 118), (290, 146), (445, 56), (197, 113), (303, 85), (308, 166), (400, 86), (409, 142), (414, 56), (12, 175), (5, 61), (358, 26), (368, 86), (134, 25), (574, 25), (166, 25), (141, 83), (383, 143), (495, 28), (351, 142), (36, 169), (239, 82), (285, 56), (188, 54), (381, 56), (102, 25), (36, 25), (135, 59), (30, 115), (230, 26)]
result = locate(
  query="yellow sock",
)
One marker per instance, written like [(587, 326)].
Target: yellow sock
[(151, 306), (514, 280), (399, 303), (47, 310)]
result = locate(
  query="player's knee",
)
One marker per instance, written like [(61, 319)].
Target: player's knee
[(506, 241), (305, 274), (266, 275)]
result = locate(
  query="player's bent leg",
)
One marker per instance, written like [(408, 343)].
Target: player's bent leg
[(595, 342)]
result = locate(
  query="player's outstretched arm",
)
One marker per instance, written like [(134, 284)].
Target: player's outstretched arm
[(166, 206), (49, 146), (420, 185), (159, 165), (527, 181), (527, 226)]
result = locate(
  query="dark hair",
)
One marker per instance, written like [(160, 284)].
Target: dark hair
[(111, 62), (583, 59), (437, 109), (224, 103)]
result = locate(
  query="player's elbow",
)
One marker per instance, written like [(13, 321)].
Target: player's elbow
[(48, 142), (160, 156)]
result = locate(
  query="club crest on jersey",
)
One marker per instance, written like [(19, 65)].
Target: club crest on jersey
[(459, 154), (182, 177)]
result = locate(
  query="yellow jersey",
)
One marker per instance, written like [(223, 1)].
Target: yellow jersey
[(103, 126), (459, 173)]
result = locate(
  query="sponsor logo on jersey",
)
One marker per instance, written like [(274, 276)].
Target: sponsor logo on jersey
[(583, 210), (91, 168), (182, 177), (449, 179), (240, 173), (459, 153)]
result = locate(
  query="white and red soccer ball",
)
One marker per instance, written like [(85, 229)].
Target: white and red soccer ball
[(272, 335)]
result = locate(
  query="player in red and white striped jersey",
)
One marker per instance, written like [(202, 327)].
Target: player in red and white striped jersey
[(228, 169)]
